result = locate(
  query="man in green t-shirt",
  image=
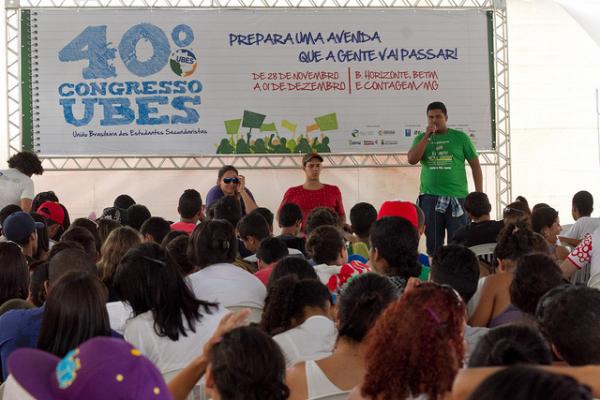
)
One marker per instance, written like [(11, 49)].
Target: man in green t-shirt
[(442, 152)]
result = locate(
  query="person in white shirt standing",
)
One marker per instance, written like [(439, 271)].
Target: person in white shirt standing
[(16, 185)]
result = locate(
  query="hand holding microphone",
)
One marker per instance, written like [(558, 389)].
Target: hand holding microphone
[(431, 129)]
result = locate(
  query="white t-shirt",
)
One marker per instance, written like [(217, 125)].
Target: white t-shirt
[(472, 336), (228, 285), (166, 354), (472, 305), (118, 314), (317, 383), (585, 253), (312, 340), (14, 186), (582, 227)]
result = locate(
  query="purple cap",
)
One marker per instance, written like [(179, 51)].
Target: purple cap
[(19, 225), (101, 368)]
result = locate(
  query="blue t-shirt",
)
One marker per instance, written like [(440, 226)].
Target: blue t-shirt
[(21, 329), (18, 328), (424, 260), (215, 193)]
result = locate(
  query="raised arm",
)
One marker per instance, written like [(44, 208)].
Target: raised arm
[(570, 241), (26, 205), (415, 154), (183, 383), (249, 202), (578, 258)]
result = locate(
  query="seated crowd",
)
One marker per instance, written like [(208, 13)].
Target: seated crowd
[(221, 305)]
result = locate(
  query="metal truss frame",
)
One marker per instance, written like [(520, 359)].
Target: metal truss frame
[(498, 158)]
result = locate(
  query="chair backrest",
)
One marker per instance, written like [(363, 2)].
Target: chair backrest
[(255, 312), (483, 249), (334, 396), (485, 255)]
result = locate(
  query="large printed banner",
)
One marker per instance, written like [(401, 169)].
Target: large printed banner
[(171, 82)]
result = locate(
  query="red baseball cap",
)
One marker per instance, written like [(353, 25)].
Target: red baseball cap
[(402, 209), (52, 211)]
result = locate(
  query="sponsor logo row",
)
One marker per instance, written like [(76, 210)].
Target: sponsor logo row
[(381, 142)]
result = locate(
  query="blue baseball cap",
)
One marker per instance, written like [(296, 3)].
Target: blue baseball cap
[(19, 225)]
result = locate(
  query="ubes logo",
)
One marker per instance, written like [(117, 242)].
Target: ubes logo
[(183, 62)]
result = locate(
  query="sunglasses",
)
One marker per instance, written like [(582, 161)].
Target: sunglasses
[(509, 210), (231, 180), (155, 261)]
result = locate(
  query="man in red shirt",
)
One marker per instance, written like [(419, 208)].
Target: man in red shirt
[(313, 193)]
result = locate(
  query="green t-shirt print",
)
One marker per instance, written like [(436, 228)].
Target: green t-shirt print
[(443, 170)]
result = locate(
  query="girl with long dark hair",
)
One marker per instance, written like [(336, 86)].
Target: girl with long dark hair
[(170, 325), (74, 312)]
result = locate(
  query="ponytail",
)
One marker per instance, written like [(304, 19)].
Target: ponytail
[(361, 302), (212, 242), (286, 300), (514, 241)]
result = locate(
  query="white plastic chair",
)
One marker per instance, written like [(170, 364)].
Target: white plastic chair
[(334, 396), (485, 249), (255, 312), (485, 252)]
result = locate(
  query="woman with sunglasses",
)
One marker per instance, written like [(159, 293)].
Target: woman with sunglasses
[(515, 212), (416, 347), (230, 183)]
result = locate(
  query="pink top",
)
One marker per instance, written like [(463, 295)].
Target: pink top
[(187, 227), (328, 196)]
